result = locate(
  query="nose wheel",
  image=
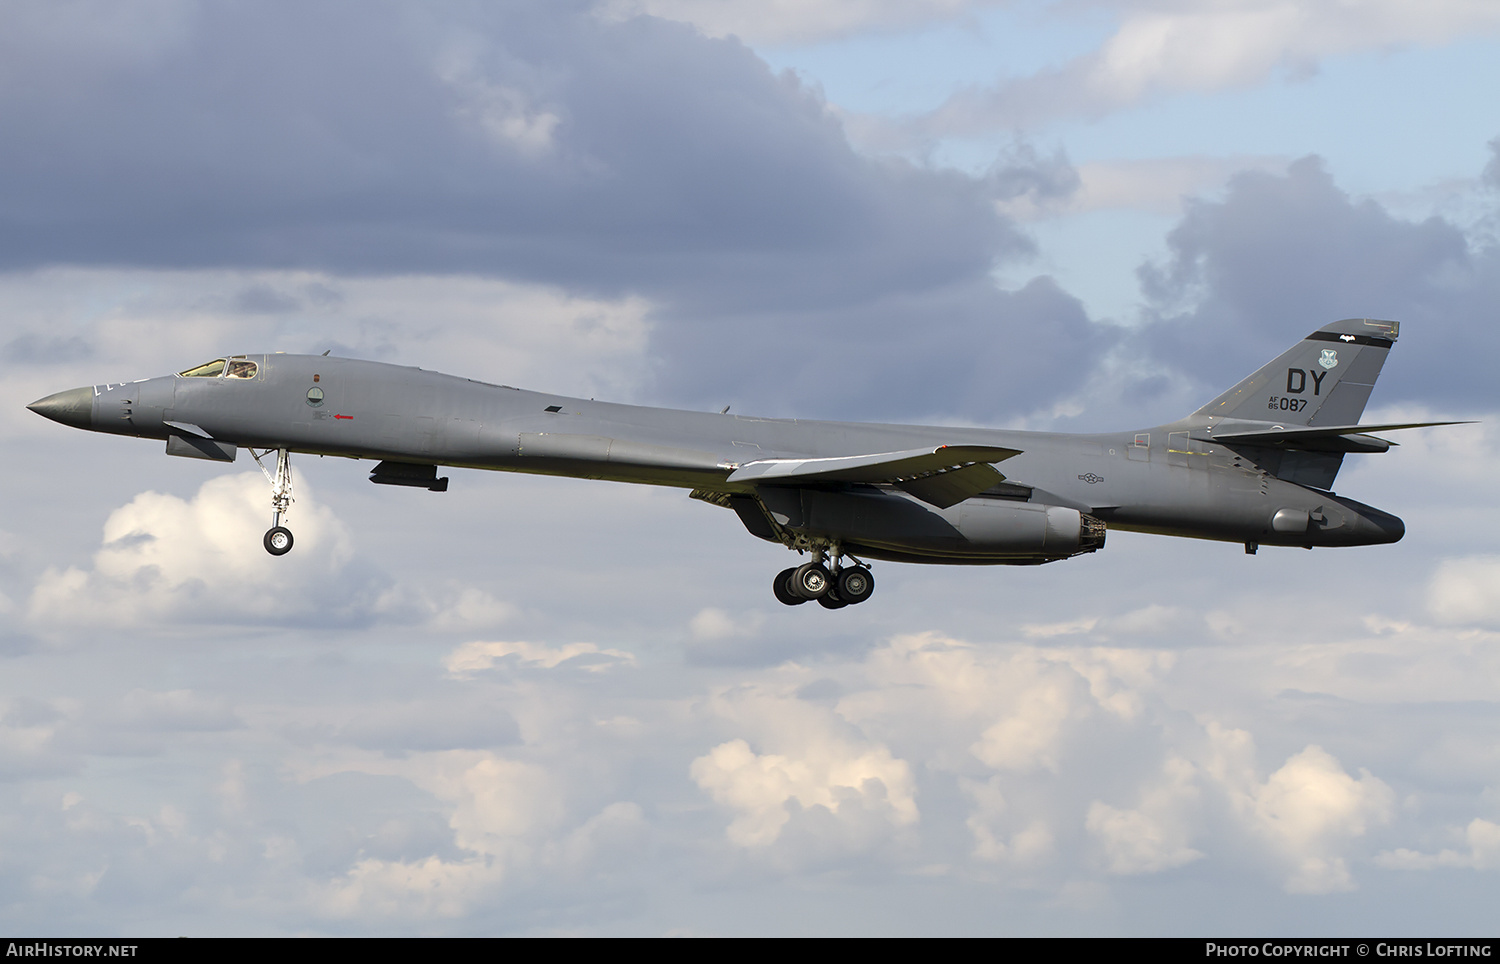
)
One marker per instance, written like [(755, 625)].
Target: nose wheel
[(278, 539)]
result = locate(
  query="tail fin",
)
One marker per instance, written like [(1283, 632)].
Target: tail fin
[(1325, 379)]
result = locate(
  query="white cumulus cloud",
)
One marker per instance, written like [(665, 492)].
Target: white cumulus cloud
[(200, 559), (758, 786), (1168, 46), (1483, 853), (1466, 591), (476, 657), (809, 757), (1153, 836), (1309, 811)]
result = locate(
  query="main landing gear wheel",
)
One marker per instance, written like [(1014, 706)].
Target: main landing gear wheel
[(278, 540), (782, 586), (831, 600), (811, 580), (854, 584)]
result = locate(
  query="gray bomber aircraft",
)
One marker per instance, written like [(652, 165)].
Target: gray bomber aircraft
[(1255, 465)]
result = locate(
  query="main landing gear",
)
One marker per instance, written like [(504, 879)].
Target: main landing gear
[(833, 588), (278, 540)]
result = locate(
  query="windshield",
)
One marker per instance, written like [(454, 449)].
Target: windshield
[(205, 370), (239, 368)]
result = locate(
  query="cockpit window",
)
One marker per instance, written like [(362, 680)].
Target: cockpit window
[(206, 370), (239, 368)]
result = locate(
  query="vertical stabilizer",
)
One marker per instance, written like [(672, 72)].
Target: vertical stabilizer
[(1325, 379)]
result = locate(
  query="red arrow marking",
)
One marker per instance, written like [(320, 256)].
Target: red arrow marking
[(343, 416)]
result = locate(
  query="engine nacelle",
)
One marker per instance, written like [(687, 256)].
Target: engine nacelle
[(1049, 531), (892, 525)]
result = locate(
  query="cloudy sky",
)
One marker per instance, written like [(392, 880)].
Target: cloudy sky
[(541, 706)]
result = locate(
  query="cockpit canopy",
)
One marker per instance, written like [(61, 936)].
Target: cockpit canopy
[(236, 367)]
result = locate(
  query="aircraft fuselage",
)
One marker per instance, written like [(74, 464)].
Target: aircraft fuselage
[(1169, 479)]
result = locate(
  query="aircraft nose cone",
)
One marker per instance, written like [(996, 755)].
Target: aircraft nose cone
[(74, 407)]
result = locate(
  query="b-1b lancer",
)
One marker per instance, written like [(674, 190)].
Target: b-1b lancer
[(1255, 465)]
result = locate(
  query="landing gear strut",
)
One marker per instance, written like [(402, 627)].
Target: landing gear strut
[(278, 540), (833, 588)]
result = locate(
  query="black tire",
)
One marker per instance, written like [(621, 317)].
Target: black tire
[(782, 586), (278, 540), (831, 600), (855, 584), (811, 581)]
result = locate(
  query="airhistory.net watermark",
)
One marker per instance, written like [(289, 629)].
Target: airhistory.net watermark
[(68, 949)]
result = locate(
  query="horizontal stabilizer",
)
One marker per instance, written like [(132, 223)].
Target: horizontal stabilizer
[(941, 476), (1324, 438)]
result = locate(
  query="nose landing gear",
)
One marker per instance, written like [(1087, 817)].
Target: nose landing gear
[(278, 539)]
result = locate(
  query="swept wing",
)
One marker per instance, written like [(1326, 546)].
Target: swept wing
[(941, 476)]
